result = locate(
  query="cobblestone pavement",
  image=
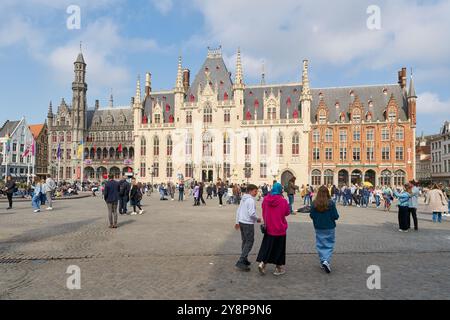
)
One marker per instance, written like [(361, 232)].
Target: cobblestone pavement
[(177, 251)]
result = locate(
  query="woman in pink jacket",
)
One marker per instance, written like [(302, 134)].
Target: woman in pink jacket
[(275, 209)]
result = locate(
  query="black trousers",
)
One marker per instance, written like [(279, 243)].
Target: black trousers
[(201, 199), (413, 212), (10, 197), (220, 199), (403, 218), (123, 205)]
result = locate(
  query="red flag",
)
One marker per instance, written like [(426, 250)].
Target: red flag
[(120, 147)]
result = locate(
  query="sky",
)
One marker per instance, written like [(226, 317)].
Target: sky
[(346, 43)]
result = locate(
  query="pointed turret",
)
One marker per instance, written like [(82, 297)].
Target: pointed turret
[(137, 98), (412, 89), (412, 97), (179, 88), (50, 111), (306, 90), (111, 100), (239, 78)]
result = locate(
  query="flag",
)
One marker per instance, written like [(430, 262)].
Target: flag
[(8, 143), (59, 151), (33, 148), (120, 148)]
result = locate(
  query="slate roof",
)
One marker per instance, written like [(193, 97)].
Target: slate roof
[(115, 112), (165, 99), (8, 128)]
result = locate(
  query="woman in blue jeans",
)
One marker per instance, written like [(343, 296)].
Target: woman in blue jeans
[(37, 195), (324, 215)]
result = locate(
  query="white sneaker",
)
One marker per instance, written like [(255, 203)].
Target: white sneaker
[(326, 267), (36, 211), (141, 212), (220, 206), (133, 213), (262, 268), (49, 209), (279, 272)]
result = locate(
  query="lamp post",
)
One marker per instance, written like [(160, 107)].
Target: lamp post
[(248, 173)]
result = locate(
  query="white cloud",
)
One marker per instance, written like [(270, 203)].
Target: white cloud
[(163, 6), (429, 104)]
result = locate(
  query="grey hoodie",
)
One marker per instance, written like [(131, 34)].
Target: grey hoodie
[(246, 213)]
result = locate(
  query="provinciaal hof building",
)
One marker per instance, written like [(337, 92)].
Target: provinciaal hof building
[(217, 126)]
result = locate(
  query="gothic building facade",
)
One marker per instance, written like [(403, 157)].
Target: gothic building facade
[(106, 135), (220, 128)]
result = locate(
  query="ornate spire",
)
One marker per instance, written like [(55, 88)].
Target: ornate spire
[(137, 98), (179, 84), (148, 83), (50, 111), (239, 79), (263, 74), (412, 89), (306, 90), (111, 100)]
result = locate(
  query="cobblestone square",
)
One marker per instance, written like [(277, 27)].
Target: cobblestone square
[(177, 251)]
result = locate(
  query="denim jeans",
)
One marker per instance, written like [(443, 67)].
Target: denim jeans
[(180, 195), (449, 206), (291, 202), (437, 216), (36, 202), (377, 200), (325, 240)]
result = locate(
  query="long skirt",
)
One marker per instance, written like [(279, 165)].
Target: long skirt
[(403, 218), (273, 250)]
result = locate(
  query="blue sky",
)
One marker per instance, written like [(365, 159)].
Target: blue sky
[(122, 39)]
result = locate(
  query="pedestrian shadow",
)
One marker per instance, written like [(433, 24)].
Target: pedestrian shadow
[(126, 222)]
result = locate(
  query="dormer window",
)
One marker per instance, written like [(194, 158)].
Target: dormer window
[(352, 93), (157, 118), (342, 117), (322, 117), (392, 116), (225, 96), (369, 116), (337, 105), (385, 91), (356, 116)]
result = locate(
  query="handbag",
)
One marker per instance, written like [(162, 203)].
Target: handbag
[(263, 228)]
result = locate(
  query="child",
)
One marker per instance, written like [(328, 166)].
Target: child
[(245, 220), (324, 215)]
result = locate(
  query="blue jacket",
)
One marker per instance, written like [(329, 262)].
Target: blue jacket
[(111, 192), (324, 220), (403, 198)]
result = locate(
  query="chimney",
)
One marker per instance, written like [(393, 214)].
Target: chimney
[(402, 78), (97, 104), (186, 79), (148, 83)]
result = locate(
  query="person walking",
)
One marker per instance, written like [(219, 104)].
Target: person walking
[(436, 203), (387, 197), (246, 217), (49, 190), (414, 204), (403, 209), (196, 193), (10, 188), (111, 194), (209, 191), (220, 187), (37, 195), (124, 195), (324, 215), (200, 193), (275, 208), (377, 194), (136, 196), (291, 188)]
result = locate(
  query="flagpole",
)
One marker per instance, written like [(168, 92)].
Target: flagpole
[(6, 165), (82, 163)]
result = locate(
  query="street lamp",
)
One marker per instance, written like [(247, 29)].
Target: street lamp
[(248, 173)]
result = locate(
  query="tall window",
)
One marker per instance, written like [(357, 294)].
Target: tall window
[(399, 178), (226, 170), (189, 145), (207, 114), (189, 171), (343, 154), (169, 146), (143, 170), (342, 135), (69, 136), (356, 116), (272, 112), (157, 118), (328, 154), (322, 117), (370, 154), (399, 134), (392, 115), (61, 137), (263, 170), (143, 147), (370, 135), (357, 154), (385, 134), (263, 144), (280, 144), (357, 135), (316, 154), (328, 178), (227, 116), (385, 153), (399, 154), (54, 137), (155, 146), (316, 178), (296, 145), (207, 145), (248, 146), (169, 169), (188, 117), (316, 136), (226, 144), (156, 170), (329, 135)]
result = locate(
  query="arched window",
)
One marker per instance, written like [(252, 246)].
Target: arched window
[(316, 178), (328, 178), (207, 145), (155, 146), (280, 145), (385, 178), (189, 144), (296, 145), (207, 114), (226, 144), (169, 146), (143, 147), (112, 153), (399, 178), (263, 144)]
